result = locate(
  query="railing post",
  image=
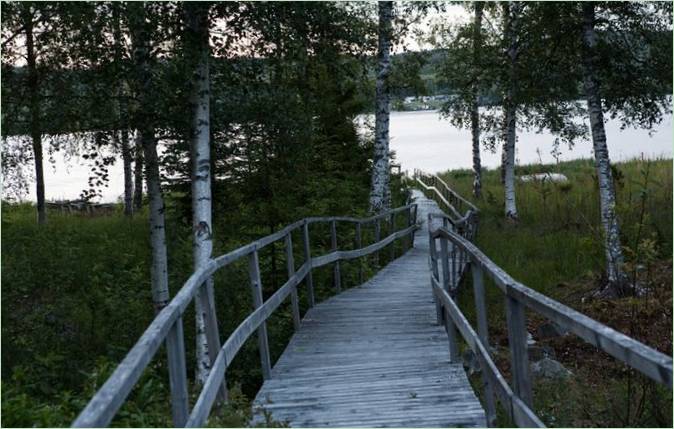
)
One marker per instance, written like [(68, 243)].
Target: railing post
[(391, 230), (377, 237), (517, 341), (175, 351), (336, 275), (408, 240), (207, 298), (358, 246), (449, 323), (256, 289), (290, 266), (414, 222), (307, 258), (483, 333), (434, 274)]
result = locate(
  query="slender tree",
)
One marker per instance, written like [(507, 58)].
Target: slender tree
[(380, 194), (127, 155), (474, 103), (614, 255), (198, 52), (511, 12), (144, 119)]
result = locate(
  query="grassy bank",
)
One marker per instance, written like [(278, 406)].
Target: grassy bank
[(76, 296), (556, 248)]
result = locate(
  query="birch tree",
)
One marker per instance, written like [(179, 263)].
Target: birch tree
[(123, 133), (197, 46), (380, 194), (144, 119), (511, 12), (474, 104)]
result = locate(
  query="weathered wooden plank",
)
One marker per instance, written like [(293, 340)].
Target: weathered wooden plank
[(517, 343), (639, 356), (306, 240), (290, 268), (175, 350), (256, 290), (336, 275), (358, 245), (356, 362)]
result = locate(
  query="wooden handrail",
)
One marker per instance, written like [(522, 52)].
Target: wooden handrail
[(518, 401), (108, 399)]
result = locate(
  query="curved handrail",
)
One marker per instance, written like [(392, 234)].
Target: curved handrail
[(639, 356), (108, 399)]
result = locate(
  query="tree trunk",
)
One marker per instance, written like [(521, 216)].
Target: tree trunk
[(198, 52), (511, 20), (138, 173), (145, 124), (123, 115), (617, 280), (474, 108), (128, 174), (35, 122), (380, 195)]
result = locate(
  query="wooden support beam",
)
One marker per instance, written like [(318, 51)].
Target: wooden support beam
[(307, 258), (336, 275), (175, 351), (517, 341), (377, 237), (256, 289), (359, 243), (290, 267)]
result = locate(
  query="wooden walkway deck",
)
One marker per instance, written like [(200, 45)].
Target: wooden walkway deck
[(374, 356)]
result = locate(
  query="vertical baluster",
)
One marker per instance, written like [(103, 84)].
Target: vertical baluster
[(483, 333), (307, 259), (207, 298), (408, 240), (256, 289), (517, 341), (414, 222), (449, 323), (175, 351), (290, 266), (336, 275), (391, 230), (377, 237), (358, 246), (433, 262)]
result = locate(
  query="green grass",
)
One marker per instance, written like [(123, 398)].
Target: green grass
[(76, 297), (556, 248)]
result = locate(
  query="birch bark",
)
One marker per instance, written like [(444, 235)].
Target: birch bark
[(145, 125), (617, 280), (380, 195), (35, 123), (123, 115), (198, 50), (511, 12), (474, 110)]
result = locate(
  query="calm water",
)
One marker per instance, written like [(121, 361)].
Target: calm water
[(420, 140)]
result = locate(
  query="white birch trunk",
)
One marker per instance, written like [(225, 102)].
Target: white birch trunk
[(380, 194), (617, 280), (35, 120), (512, 13), (123, 115), (474, 110), (138, 173), (144, 118), (197, 26)]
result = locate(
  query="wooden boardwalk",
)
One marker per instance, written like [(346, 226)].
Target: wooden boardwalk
[(374, 356)]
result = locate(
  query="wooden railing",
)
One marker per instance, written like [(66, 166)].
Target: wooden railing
[(167, 325), (435, 188), (517, 401)]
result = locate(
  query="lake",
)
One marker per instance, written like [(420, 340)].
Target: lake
[(420, 140)]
